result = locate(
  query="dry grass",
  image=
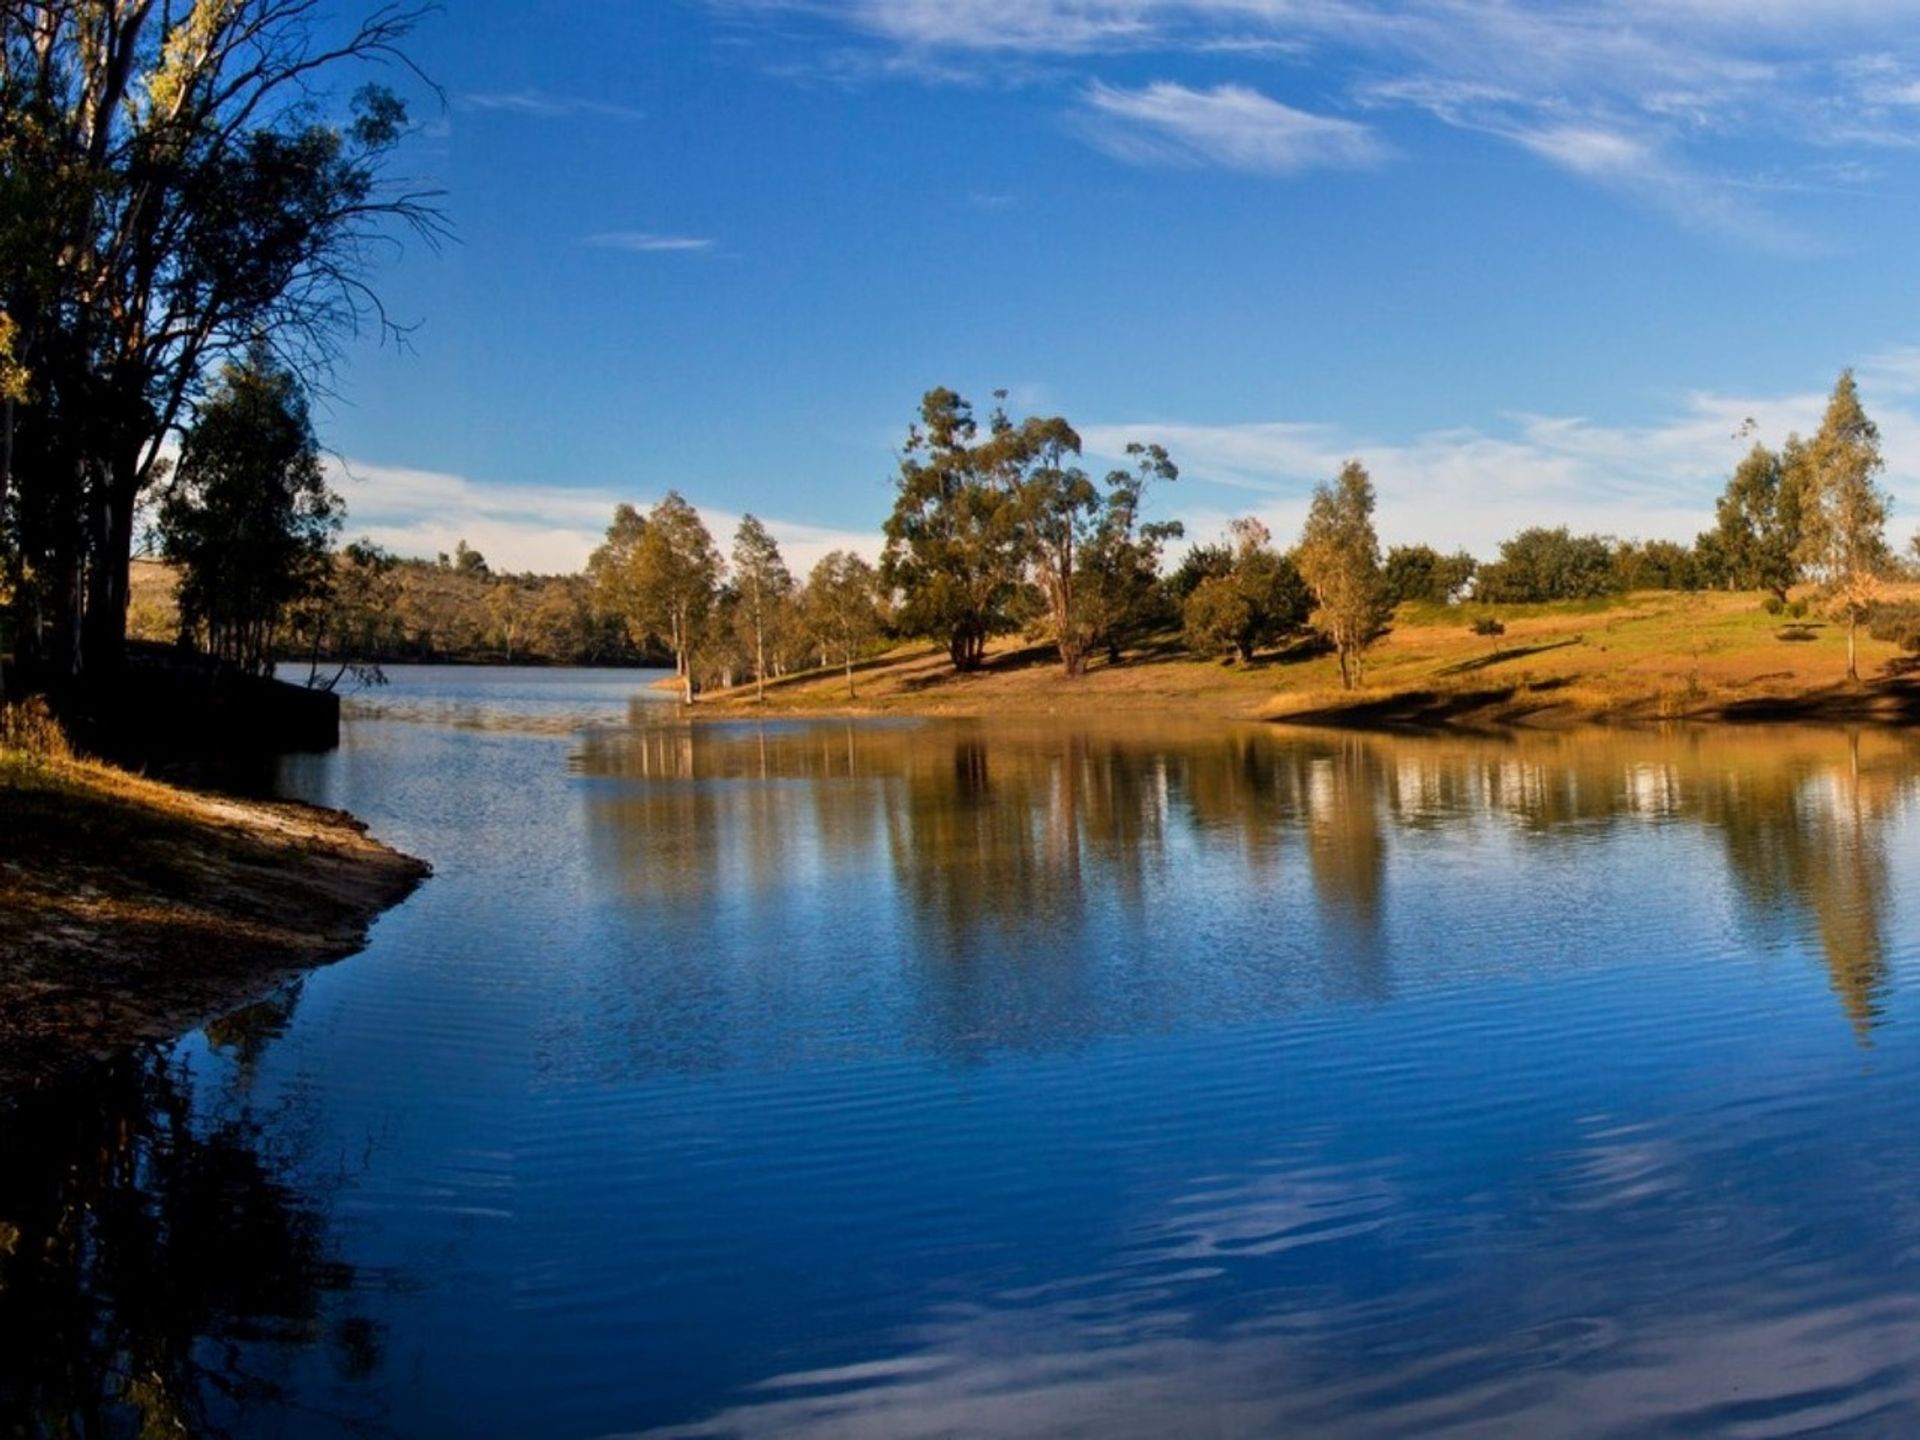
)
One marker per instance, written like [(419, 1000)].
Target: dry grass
[(131, 910), (1648, 656)]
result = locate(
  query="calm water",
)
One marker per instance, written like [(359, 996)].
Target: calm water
[(899, 1079)]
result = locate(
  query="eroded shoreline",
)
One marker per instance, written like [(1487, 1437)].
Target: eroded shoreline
[(132, 911)]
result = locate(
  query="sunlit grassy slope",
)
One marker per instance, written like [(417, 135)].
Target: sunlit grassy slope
[(1646, 656)]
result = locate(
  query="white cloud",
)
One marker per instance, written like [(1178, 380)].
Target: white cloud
[(645, 242), (542, 105), (1475, 487), (1649, 98), (549, 529), (1228, 125)]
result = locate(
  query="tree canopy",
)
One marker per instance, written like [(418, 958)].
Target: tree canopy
[(170, 199)]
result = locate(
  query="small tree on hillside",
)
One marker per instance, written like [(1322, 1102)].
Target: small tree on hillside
[(1419, 572), (248, 516), (842, 606), (1844, 512), (1119, 565), (1244, 594), (1540, 565), (763, 584), (1339, 557)]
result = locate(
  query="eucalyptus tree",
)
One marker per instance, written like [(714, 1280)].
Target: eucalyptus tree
[(1120, 562), (842, 606), (1339, 557), (1059, 508), (612, 571), (955, 541), (764, 586), (676, 579), (1844, 512), (247, 515), (178, 188)]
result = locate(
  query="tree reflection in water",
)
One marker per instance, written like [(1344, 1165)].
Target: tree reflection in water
[(1001, 836), (160, 1270)]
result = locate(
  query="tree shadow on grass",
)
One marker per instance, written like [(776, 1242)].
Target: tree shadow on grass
[(1500, 657)]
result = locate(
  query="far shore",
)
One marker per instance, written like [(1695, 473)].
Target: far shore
[(1650, 657), (132, 911)]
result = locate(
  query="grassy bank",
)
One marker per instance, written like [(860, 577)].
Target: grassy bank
[(131, 911), (1650, 656)]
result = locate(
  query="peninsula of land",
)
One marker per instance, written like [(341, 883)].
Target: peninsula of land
[(130, 910)]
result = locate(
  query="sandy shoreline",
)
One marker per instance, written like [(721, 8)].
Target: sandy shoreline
[(132, 911)]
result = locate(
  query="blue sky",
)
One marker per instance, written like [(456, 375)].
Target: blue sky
[(1531, 262)]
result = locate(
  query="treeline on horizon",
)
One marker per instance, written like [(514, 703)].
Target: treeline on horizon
[(997, 530)]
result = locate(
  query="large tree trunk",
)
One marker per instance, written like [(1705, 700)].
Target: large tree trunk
[(108, 576)]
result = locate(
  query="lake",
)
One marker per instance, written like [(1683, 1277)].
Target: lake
[(1140, 1078)]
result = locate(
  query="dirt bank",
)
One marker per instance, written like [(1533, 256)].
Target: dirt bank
[(132, 911)]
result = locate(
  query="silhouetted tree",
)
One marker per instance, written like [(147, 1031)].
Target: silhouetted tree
[(248, 516)]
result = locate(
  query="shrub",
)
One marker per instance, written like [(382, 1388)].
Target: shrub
[(1898, 624), (29, 726), (1539, 565)]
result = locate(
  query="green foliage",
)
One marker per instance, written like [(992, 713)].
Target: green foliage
[(1219, 620), (248, 517), (1339, 558), (169, 200), (1252, 599), (469, 561), (1421, 573), (1201, 562), (764, 589), (1539, 565), (956, 544), (1896, 624), (1756, 537), (842, 607), (1655, 565), (1119, 596)]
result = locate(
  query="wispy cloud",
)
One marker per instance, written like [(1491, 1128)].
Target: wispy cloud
[(543, 105), (550, 529), (1475, 486), (645, 242), (1229, 125), (1651, 99)]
